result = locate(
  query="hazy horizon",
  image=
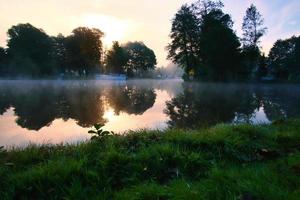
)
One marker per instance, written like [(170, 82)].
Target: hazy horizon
[(139, 20)]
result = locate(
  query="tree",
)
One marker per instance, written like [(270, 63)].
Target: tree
[(220, 47), (84, 50), (204, 7), (29, 50), (184, 49), (203, 42), (284, 62), (262, 70), (59, 53), (140, 58), (253, 30), (3, 58), (116, 59), (2, 54)]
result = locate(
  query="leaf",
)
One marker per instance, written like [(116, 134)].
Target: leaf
[(98, 126), (92, 132)]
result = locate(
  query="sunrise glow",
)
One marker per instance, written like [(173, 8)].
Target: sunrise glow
[(114, 29)]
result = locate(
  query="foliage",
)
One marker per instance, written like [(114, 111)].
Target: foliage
[(203, 42), (222, 162), (84, 50), (3, 58), (29, 50), (183, 48), (252, 27), (284, 60), (140, 58), (98, 133), (220, 47), (59, 52), (116, 59), (253, 30)]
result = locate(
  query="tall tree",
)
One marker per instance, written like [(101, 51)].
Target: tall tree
[(253, 29), (203, 42), (84, 50), (140, 58), (116, 59), (184, 49), (29, 50), (220, 47)]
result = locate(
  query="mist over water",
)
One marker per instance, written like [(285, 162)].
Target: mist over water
[(63, 111)]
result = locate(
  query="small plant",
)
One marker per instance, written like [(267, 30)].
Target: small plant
[(98, 133)]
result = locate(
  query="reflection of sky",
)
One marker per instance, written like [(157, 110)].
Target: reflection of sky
[(69, 132), (260, 117), (59, 131), (153, 118), (141, 20)]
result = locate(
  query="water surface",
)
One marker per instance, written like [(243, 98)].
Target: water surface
[(63, 111)]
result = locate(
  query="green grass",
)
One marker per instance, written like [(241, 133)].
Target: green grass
[(223, 162)]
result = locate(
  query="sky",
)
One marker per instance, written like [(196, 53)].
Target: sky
[(139, 20)]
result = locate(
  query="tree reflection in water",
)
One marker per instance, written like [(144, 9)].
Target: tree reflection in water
[(37, 106), (38, 103), (131, 99), (208, 104)]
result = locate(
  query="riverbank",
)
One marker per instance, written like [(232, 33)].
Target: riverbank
[(222, 162)]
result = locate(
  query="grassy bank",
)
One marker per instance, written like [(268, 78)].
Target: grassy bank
[(224, 162)]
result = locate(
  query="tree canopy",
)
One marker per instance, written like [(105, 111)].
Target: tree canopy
[(184, 48), (84, 49), (253, 28), (284, 59), (140, 58), (30, 50), (116, 59), (203, 42)]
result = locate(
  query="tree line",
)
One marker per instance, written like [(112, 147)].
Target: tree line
[(205, 45), (31, 52)]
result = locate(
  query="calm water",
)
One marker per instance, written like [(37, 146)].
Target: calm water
[(62, 111)]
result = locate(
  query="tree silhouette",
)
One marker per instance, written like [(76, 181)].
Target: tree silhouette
[(59, 53), (203, 42), (253, 29), (284, 61), (84, 50), (3, 58), (116, 59), (220, 47), (184, 47), (29, 50), (140, 58)]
